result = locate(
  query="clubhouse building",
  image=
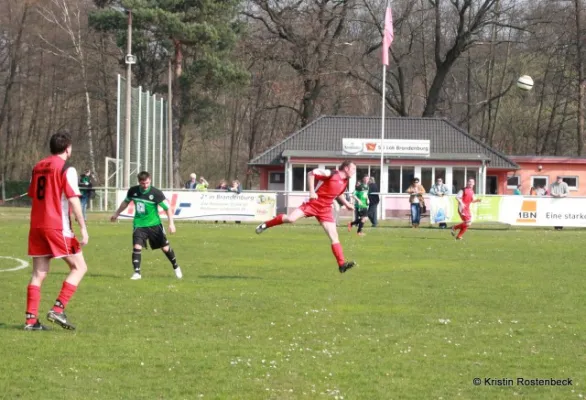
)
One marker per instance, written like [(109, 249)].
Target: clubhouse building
[(427, 148)]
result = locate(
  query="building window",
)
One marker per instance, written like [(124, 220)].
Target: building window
[(369, 170), (513, 182), (540, 181), (426, 178), (407, 175), (394, 180), (572, 182), (458, 179), (298, 178), (300, 172), (277, 177)]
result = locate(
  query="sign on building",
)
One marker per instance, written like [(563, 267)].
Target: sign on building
[(394, 147)]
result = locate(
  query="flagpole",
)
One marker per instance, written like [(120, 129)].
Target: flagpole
[(386, 46), (382, 128)]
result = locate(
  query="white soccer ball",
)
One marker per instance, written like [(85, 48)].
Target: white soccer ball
[(525, 82)]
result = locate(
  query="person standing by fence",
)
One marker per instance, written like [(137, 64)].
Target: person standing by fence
[(373, 201)]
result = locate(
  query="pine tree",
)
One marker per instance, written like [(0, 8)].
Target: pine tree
[(198, 37)]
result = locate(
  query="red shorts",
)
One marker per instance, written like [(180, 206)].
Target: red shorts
[(465, 214), (322, 214), (51, 243)]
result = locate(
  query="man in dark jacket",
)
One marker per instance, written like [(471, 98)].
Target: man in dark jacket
[(373, 200), (87, 191)]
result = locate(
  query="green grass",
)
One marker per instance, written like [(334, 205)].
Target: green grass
[(269, 317)]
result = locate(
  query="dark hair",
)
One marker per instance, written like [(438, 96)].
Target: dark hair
[(345, 163), (143, 175), (59, 142), (414, 180)]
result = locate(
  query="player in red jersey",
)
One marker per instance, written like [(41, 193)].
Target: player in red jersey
[(330, 185), (54, 192), (465, 197)]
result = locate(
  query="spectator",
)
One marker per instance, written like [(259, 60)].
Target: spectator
[(542, 191), (416, 191), (559, 189), (532, 191), (222, 185), (373, 200), (86, 189), (202, 186), (192, 182), (517, 191), (236, 187), (440, 190)]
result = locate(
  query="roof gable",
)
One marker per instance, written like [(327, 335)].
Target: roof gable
[(325, 134)]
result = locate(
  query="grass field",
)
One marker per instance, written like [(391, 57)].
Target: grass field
[(269, 316)]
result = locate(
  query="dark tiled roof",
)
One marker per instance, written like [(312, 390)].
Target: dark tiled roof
[(325, 134)]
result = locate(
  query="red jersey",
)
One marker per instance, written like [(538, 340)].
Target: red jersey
[(467, 196), (53, 182), (330, 185)]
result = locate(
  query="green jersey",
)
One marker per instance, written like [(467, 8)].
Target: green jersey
[(362, 193), (146, 213)]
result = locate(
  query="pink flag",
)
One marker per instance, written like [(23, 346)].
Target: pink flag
[(388, 35)]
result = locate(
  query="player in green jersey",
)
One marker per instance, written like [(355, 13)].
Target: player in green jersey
[(361, 206), (147, 223)]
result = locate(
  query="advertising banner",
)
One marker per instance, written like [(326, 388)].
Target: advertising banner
[(441, 209), (214, 206), (389, 146), (543, 211), (445, 209), (514, 210)]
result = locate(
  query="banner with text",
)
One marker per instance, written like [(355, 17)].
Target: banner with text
[(543, 211), (514, 210), (389, 147), (214, 206)]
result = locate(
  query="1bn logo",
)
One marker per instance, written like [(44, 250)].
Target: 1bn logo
[(527, 215)]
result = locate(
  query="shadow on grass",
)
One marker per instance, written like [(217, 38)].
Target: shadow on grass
[(99, 275), (228, 277), (449, 237), (15, 327)]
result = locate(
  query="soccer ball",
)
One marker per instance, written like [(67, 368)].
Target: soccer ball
[(525, 82)]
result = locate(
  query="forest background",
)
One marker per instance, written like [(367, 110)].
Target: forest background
[(248, 73)]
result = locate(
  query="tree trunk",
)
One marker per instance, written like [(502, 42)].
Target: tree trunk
[(581, 82)]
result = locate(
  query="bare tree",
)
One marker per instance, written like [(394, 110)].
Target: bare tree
[(306, 35), (67, 16)]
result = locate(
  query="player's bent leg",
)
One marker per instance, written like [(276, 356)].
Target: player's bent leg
[(332, 232), (78, 269), (33, 293), (294, 216), (170, 254), (280, 219), (465, 226)]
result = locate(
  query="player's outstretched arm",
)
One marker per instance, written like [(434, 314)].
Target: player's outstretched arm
[(121, 208), (170, 218), (76, 210), (345, 203), (311, 184)]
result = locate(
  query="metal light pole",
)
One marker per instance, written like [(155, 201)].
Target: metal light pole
[(129, 61), (170, 183)]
